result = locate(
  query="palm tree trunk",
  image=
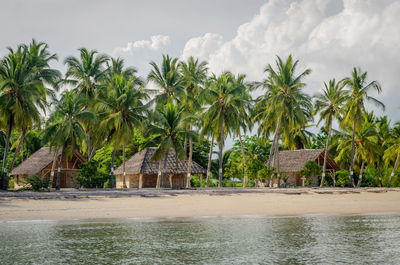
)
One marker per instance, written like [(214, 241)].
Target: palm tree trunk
[(123, 167), (3, 170), (163, 182), (185, 146), (189, 168), (209, 162), (89, 148), (276, 144), (394, 170), (160, 170), (352, 153), (220, 155), (111, 184), (272, 149), (21, 140), (361, 174), (325, 157), (59, 166), (244, 161)]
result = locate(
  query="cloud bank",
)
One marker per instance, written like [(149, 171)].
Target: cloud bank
[(328, 36), (155, 43)]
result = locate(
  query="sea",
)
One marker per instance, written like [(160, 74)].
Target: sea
[(310, 239)]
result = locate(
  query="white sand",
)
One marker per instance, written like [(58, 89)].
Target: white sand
[(200, 204)]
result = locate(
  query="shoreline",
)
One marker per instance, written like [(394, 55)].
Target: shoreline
[(188, 204)]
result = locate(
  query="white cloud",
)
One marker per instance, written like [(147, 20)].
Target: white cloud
[(328, 36), (155, 43)]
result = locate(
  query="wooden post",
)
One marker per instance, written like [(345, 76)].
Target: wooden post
[(140, 181), (334, 178), (170, 180), (303, 181)]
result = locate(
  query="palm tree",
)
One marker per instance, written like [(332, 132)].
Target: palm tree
[(225, 101), (393, 152), (328, 105), (23, 74), (167, 78), (384, 137), (121, 107), (85, 74), (244, 121), (193, 75), (66, 130), (167, 129), (284, 106), (358, 93)]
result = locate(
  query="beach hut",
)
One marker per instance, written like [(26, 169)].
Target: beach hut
[(291, 162), (141, 172), (43, 162)]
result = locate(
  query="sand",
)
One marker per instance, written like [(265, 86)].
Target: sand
[(198, 204)]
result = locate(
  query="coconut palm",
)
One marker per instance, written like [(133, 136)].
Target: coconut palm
[(284, 106), (328, 105), (66, 130), (392, 153), (384, 137), (121, 107), (167, 78), (23, 74), (193, 74), (85, 75), (225, 101), (358, 93), (167, 130)]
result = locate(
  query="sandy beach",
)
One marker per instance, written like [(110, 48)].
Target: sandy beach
[(187, 204)]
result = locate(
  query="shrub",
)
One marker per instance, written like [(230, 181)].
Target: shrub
[(342, 178), (11, 184), (37, 183), (90, 177)]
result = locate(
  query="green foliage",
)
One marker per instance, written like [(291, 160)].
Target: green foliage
[(310, 169), (89, 175), (265, 173), (342, 178), (37, 183), (11, 184)]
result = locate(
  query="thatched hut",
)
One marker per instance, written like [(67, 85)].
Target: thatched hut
[(141, 172), (43, 162), (291, 162)]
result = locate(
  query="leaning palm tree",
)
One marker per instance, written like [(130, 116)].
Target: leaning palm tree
[(167, 78), (23, 92), (121, 107), (168, 128), (393, 152), (284, 106), (225, 101), (328, 105), (193, 74), (358, 93), (85, 75), (66, 130)]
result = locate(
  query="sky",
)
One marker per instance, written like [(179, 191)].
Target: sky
[(328, 36)]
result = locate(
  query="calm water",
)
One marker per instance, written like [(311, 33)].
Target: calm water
[(372, 239)]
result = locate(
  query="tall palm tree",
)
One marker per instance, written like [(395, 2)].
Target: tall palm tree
[(167, 130), (23, 75), (328, 105), (244, 121), (193, 74), (66, 130), (121, 107), (384, 137), (393, 152), (358, 93), (285, 105), (225, 101), (167, 78), (85, 75)]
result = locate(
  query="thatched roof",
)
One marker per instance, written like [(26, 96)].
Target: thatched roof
[(38, 161), (141, 163), (294, 161)]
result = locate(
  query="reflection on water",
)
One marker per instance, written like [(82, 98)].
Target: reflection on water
[(372, 239)]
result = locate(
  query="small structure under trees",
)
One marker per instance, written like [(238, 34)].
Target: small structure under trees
[(141, 171), (43, 162), (292, 162)]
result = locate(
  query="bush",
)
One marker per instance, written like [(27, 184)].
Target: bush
[(194, 181), (342, 178), (37, 183), (90, 177), (11, 184)]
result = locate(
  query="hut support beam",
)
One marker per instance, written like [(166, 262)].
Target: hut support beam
[(140, 181), (170, 180)]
